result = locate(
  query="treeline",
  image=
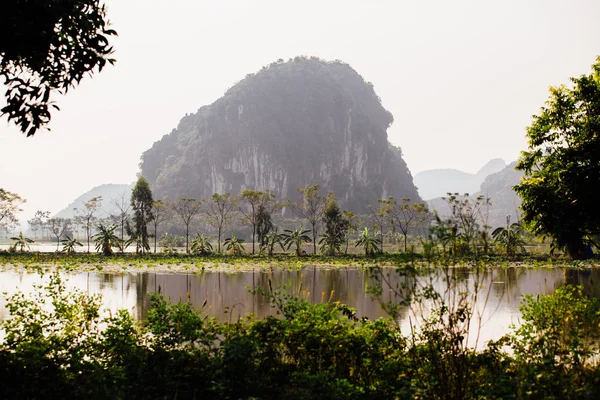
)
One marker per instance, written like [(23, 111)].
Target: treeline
[(148, 224)]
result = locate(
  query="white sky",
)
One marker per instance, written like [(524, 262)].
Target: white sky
[(462, 78)]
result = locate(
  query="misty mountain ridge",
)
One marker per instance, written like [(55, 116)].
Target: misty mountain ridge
[(438, 182), (292, 124), (498, 187), (108, 192)]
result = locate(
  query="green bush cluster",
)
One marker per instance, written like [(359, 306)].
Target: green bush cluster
[(56, 345)]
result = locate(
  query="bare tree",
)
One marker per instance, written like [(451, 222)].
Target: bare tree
[(310, 207), (58, 227), (123, 205), (219, 211), (86, 216), (160, 212)]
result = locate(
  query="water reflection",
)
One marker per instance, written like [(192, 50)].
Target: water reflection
[(498, 305)]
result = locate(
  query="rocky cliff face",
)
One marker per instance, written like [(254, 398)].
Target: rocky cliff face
[(292, 124)]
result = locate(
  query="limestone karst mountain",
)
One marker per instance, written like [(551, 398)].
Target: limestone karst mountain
[(437, 182), (295, 123)]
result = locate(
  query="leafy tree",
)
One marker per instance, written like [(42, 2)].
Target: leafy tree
[(9, 206), (187, 209), (46, 47), (141, 203), (562, 166), (21, 242), (297, 238), (336, 227), (58, 227), (311, 207), (69, 244), (511, 237), (370, 243), (106, 239), (201, 245), (257, 206), (264, 223), (234, 245), (219, 211), (86, 216), (407, 216), (467, 219), (271, 240)]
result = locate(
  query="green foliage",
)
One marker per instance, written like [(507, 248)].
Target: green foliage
[(48, 47), (201, 245), (297, 238), (105, 239), (69, 244), (369, 243), (234, 245), (336, 227), (562, 177), (511, 237), (141, 203), (56, 345), (270, 241), (21, 242)]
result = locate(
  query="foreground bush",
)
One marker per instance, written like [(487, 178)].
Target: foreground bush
[(56, 346)]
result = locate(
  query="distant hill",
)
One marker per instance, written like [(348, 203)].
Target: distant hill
[(498, 187), (108, 192), (505, 201), (438, 182), (295, 123)]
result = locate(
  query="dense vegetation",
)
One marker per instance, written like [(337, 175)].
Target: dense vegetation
[(56, 345)]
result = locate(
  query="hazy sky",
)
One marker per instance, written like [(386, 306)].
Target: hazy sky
[(462, 78)]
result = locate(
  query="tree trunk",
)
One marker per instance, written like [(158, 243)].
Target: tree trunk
[(187, 236), (253, 235)]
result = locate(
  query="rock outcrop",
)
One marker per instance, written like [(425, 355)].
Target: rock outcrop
[(292, 124)]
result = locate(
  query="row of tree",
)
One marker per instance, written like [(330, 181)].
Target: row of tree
[(138, 219)]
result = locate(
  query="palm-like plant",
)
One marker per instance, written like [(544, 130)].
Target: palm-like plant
[(201, 245), (511, 237), (106, 239), (69, 244), (270, 241), (234, 245), (297, 238), (371, 244), (123, 244), (21, 242)]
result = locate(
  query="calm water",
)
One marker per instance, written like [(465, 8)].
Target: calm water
[(497, 304)]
